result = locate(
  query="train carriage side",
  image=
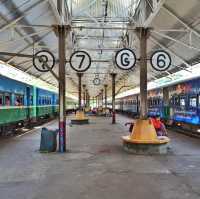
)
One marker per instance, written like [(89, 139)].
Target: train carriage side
[(14, 101), (46, 103), (185, 104), (183, 108)]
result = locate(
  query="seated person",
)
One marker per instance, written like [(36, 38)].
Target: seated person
[(159, 126), (130, 127)]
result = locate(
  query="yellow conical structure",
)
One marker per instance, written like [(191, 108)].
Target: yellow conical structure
[(144, 133), (80, 115)]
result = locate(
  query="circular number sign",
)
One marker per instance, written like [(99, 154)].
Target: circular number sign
[(80, 61), (160, 60), (96, 81), (125, 59), (44, 61)]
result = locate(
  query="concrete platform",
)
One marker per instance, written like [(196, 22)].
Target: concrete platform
[(97, 167)]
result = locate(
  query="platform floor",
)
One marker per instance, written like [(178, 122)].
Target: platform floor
[(97, 167)]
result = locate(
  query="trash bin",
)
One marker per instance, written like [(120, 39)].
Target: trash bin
[(48, 142)]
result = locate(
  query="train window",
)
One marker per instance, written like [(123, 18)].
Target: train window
[(1, 99), (172, 101), (43, 100), (7, 100), (176, 101), (193, 102), (199, 100), (40, 101), (31, 100), (19, 100), (182, 102)]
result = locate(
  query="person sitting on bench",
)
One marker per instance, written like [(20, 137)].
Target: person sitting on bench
[(159, 126)]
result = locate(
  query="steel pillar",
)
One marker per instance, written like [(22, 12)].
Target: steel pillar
[(79, 89), (97, 101), (62, 113), (86, 98), (113, 75), (102, 97), (93, 101), (143, 34), (105, 93), (166, 100), (84, 95)]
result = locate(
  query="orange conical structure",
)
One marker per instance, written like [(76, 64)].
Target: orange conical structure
[(144, 130), (144, 133), (80, 115)]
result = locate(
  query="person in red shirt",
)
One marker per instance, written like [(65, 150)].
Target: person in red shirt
[(159, 126)]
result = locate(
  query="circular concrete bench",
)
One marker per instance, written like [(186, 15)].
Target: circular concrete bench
[(144, 140), (80, 118)]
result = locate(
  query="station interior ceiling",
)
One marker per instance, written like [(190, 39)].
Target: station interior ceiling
[(25, 27)]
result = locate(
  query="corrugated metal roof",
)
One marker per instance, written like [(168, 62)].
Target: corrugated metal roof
[(100, 44)]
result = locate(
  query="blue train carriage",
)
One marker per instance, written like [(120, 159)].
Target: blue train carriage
[(183, 109), (22, 103), (46, 103), (185, 104), (155, 103), (129, 105)]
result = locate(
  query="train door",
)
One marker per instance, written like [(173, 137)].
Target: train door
[(198, 108), (183, 102), (7, 98), (193, 109), (28, 102), (1, 99)]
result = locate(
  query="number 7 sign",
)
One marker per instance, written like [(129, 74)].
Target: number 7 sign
[(80, 61)]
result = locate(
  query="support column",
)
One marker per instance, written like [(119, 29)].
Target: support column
[(166, 103), (62, 113), (105, 90), (113, 75), (102, 97), (86, 98), (84, 95), (79, 89), (143, 34), (97, 101), (93, 101)]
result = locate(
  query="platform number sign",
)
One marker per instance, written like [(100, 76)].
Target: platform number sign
[(125, 59), (80, 61), (44, 61), (160, 60)]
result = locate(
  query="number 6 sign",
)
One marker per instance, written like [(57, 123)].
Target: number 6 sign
[(80, 61), (160, 60)]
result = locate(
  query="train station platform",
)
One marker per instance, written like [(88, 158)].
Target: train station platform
[(97, 167)]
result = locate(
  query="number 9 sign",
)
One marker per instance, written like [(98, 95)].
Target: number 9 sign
[(160, 60), (80, 61)]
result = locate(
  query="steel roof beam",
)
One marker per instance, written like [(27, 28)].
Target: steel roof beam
[(176, 41), (170, 51), (155, 10), (173, 14), (27, 47), (55, 11)]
